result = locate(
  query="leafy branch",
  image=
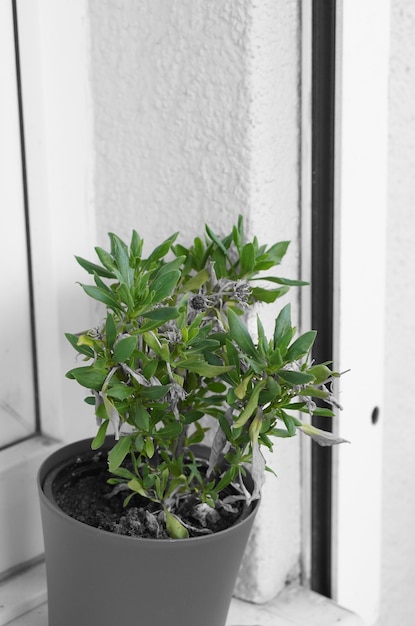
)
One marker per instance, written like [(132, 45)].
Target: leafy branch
[(174, 348)]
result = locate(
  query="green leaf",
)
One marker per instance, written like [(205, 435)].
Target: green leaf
[(135, 485), (238, 234), (219, 262), (118, 453), (196, 437), (322, 412), (283, 281), (101, 411), (98, 293), (89, 376), (255, 427), (217, 387), (106, 260), (155, 393), (162, 314), (100, 283), (224, 424), (194, 283), (315, 392), (136, 245), (123, 472), (124, 348), (320, 372), (199, 248), (301, 346), (164, 268), (120, 253), (152, 342), (262, 265), (86, 340), (171, 430), (295, 378), (273, 387), (216, 240), (160, 251), (100, 436), (262, 340), (278, 251), (192, 416), (82, 349), (149, 447), (241, 389), (110, 331), (289, 424), (201, 345), (149, 325), (93, 268), (141, 417), (124, 295), (268, 295), (225, 480), (120, 391), (233, 357), (275, 360), (174, 527), (247, 258), (251, 405), (240, 334), (150, 369), (176, 482), (202, 368), (283, 329), (280, 432), (164, 285)]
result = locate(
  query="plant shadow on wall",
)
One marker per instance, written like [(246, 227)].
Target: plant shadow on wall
[(173, 349), (153, 511)]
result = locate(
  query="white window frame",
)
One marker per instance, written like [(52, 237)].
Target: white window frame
[(58, 139), (59, 149), (361, 202), (362, 69)]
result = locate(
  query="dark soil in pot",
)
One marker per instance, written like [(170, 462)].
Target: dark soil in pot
[(81, 490)]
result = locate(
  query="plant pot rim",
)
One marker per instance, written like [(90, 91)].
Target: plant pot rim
[(66, 452)]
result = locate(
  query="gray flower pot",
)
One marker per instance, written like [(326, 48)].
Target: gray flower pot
[(97, 578)]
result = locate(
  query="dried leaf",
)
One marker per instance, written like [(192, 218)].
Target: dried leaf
[(257, 470), (218, 444), (113, 415), (322, 437)]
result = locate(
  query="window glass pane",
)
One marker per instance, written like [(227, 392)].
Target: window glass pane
[(17, 403)]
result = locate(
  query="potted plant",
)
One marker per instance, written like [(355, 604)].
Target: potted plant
[(184, 398)]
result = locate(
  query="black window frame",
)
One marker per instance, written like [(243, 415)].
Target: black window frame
[(322, 273)]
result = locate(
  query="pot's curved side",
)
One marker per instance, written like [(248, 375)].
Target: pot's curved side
[(99, 578)]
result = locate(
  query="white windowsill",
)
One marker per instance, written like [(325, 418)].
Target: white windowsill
[(25, 596)]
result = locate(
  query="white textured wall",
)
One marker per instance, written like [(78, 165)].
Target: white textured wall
[(398, 572), (172, 125), (273, 554), (196, 120)]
